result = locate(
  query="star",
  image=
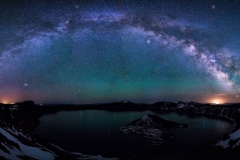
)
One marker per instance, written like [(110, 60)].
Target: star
[(118, 51), (148, 41)]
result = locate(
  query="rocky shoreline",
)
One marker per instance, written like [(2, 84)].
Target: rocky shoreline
[(231, 112), (19, 140), (153, 127)]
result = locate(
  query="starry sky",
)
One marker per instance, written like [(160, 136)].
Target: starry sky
[(105, 51)]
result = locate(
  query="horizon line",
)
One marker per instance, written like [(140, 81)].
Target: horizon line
[(102, 103)]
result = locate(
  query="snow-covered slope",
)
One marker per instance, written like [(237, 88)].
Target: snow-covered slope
[(230, 141), (181, 104), (231, 112), (153, 128), (19, 141), (12, 148)]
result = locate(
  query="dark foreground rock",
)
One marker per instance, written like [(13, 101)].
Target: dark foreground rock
[(153, 128), (18, 139)]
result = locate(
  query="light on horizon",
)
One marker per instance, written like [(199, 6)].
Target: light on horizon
[(217, 101), (6, 101)]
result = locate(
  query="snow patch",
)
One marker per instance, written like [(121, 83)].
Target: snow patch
[(14, 107), (152, 127), (13, 153), (33, 152), (17, 133), (181, 105), (223, 144), (235, 135)]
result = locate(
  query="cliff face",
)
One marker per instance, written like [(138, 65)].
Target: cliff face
[(18, 139), (231, 112), (153, 127)]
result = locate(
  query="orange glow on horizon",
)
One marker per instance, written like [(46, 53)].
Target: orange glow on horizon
[(6, 101), (217, 101)]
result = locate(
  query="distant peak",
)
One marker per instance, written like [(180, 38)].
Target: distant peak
[(125, 101)]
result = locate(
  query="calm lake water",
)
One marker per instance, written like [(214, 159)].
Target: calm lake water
[(96, 132)]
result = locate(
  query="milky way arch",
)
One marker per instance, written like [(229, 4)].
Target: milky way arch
[(54, 50)]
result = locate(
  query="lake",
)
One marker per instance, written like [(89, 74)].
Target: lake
[(96, 132)]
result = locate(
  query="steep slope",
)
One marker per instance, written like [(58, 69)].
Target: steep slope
[(153, 128), (231, 112), (19, 141)]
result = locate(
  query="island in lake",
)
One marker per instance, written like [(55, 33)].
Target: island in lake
[(20, 137)]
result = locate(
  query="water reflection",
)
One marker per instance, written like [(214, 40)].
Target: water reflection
[(94, 131)]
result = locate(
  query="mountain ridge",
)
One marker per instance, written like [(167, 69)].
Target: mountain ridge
[(20, 118)]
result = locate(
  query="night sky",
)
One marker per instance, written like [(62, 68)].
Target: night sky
[(105, 51)]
